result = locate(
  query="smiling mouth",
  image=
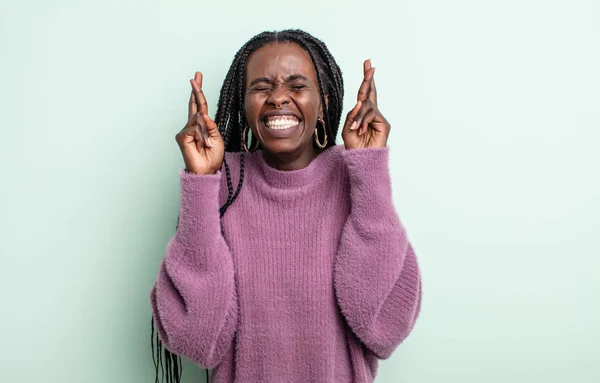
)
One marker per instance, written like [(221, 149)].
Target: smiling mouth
[(281, 122)]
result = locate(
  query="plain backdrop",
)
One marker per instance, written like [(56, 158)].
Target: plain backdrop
[(495, 113)]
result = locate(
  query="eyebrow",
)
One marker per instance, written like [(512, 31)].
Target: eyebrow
[(290, 78), (295, 77)]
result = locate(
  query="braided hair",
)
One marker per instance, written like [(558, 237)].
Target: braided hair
[(231, 120)]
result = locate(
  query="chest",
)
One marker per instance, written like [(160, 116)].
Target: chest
[(285, 249)]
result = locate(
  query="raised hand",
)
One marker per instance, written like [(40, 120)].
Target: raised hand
[(200, 141), (365, 126)]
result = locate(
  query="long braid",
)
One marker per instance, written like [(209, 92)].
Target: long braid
[(231, 120)]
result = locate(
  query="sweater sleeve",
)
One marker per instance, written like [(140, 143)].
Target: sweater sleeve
[(194, 302), (376, 276)]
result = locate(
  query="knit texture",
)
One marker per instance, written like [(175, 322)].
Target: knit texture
[(308, 277)]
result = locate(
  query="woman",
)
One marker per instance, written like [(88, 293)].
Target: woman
[(308, 276)]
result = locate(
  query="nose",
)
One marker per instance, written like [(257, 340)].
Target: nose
[(278, 96)]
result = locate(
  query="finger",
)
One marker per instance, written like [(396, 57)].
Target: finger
[(188, 128), (212, 130), (211, 126), (192, 106), (350, 123), (193, 103), (200, 141), (203, 129), (190, 133), (199, 94), (365, 108), (366, 66), (365, 86), (373, 93), (197, 134), (369, 117), (194, 129)]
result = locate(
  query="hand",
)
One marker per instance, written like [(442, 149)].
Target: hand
[(365, 126), (200, 142)]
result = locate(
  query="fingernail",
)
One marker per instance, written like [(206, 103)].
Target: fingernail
[(209, 142), (353, 126)]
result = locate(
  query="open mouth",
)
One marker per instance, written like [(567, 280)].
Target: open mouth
[(281, 122)]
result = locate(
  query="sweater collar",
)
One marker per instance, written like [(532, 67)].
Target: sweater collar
[(317, 169)]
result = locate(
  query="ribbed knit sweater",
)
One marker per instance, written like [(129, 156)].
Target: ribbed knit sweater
[(308, 276)]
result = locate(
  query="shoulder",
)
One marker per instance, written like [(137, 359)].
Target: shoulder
[(231, 167), (337, 150), (233, 163), (336, 162), (231, 157), (333, 156)]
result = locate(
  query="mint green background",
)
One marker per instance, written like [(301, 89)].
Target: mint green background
[(494, 107)]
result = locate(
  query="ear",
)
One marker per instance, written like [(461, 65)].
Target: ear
[(326, 104)]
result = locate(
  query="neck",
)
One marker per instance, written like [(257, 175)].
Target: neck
[(290, 161)]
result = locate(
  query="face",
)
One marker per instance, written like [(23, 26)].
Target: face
[(282, 74)]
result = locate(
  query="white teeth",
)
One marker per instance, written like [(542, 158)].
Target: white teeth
[(280, 123)]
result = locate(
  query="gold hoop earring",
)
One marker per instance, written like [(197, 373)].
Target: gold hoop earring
[(244, 138), (324, 144)]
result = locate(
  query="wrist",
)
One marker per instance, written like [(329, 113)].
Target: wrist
[(200, 172)]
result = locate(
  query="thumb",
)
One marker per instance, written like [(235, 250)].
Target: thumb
[(211, 127)]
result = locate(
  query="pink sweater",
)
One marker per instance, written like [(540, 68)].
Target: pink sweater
[(308, 277)]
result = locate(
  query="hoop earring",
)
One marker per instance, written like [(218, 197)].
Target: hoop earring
[(245, 137), (324, 144)]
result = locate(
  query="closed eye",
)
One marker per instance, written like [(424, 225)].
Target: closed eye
[(260, 88)]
